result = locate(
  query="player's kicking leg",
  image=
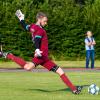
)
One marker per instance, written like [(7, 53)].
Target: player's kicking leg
[(26, 65), (65, 79), (53, 67)]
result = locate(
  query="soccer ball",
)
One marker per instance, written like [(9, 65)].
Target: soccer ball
[(93, 89)]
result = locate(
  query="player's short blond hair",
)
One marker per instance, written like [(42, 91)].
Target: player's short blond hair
[(40, 15)]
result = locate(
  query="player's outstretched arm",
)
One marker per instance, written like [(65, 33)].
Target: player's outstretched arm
[(21, 17), (24, 25), (37, 41)]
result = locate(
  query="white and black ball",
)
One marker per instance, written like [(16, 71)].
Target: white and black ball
[(93, 89)]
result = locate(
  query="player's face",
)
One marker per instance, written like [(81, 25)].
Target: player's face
[(44, 21)]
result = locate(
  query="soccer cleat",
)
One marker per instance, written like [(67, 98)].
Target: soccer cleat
[(2, 54), (78, 91)]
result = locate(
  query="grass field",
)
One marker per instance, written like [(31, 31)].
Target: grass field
[(60, 63), (44, 85)]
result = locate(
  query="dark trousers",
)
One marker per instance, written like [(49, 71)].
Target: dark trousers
[(90, 54)]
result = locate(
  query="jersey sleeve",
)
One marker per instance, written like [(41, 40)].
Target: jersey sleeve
[(32, 29), (24, 25), (37, 39), (39, 34), (36, 31)]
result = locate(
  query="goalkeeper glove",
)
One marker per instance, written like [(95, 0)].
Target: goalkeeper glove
[(38, 53), (20, 15)]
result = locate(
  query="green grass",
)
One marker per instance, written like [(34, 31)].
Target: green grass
[(45, 86), (75, 63), (60, 63)]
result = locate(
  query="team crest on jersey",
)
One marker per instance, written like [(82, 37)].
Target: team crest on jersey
[(32, 30)]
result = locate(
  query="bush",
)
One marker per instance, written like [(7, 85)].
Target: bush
[(68, 21)]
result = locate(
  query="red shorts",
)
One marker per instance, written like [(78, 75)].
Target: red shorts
[(44, 61)]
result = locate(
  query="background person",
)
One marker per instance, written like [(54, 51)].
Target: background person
[(90, 51)]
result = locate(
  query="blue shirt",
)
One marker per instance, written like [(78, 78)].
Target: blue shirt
[(87, 40)]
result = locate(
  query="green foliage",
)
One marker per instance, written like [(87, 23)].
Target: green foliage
[(68, 21)]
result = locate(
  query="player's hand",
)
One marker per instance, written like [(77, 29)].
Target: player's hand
[(19, 14), (38, 53)]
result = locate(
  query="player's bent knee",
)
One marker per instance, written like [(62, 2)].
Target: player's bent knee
[(54, 68), (29, 66), (60, 71)]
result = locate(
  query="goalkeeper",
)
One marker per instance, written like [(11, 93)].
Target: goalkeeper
[(40, 39)]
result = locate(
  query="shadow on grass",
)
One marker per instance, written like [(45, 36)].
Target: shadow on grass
[(45, 90), (65, 89)]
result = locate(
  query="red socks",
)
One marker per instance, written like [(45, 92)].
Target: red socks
[(18, 60), (67, 82)]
